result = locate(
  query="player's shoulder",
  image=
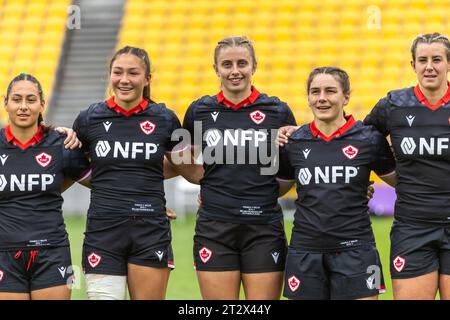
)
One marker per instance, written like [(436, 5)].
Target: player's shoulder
[(272, 101), (402, 98), (98, 107), (204, 101), (302, 133), (366, 132), (93, 109), (53, 138), (156, 107), (160, 109)]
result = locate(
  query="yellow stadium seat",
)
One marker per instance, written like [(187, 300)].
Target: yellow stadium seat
[(27, 42), (35, 9), (135, 6), (8, 37), (418, 4), (58, 7), (11, 22), (30, 37), (291, 37), (14, 7)]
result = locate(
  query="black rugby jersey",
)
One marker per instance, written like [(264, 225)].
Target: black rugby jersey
[(31, 178), (127, 151), (420, 136), (233, 188), (332, 179)]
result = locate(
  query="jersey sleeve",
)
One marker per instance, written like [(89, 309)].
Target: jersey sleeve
[(383, 158), (379, 117), (188, 122), (285, 171), (80, 126), (288, 118), (75, 164), (174, 124)]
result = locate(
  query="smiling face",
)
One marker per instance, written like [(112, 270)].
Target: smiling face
[(24, 105), (235, 68), (431, 65), (326, 98), (128, 79)]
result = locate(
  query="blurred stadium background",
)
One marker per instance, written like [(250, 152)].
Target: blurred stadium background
[(67, 46)]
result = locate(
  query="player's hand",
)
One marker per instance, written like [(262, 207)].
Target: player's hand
[(199, 201), (171, 214), (71, 141), (284, 133), (370, 190)]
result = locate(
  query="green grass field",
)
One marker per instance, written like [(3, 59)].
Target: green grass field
[(183, 281)]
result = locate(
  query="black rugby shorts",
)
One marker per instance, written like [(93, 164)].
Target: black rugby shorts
[(111, 243), (249, 248)]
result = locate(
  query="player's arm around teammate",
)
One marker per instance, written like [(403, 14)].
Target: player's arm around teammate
[(239, 236), (128, 238), (332, 248), (35, 260), (183, 163), (417, 120)]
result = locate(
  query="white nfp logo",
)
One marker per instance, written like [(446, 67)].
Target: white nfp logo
[(213, 137), (429, 146), (304, 176), (235, 138), (408, 145), (102, 149), (127, 150), (26, 182), (329, 174)]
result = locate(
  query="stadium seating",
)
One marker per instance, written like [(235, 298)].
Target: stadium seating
[(32, 33), (369, 40)]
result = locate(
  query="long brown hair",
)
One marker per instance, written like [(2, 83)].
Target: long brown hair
[(143, 55)]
